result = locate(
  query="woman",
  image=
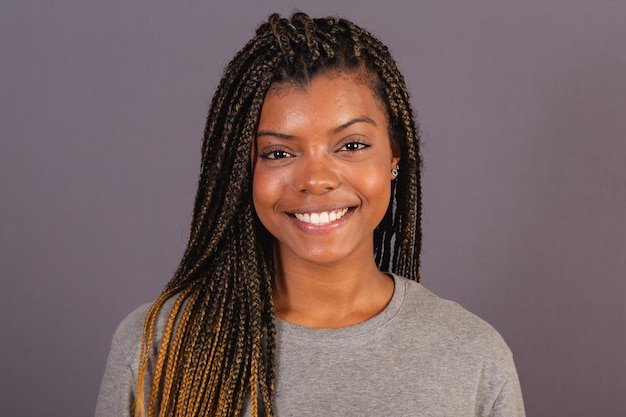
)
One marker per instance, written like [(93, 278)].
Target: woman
[(309, 188)]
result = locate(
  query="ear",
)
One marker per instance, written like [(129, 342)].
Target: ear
[(395, 153)]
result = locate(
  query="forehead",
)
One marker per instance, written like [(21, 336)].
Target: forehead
[(324, 95)]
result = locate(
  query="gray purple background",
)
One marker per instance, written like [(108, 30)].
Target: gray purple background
[(523, 110)]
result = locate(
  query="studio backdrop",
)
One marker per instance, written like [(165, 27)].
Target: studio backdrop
[(522, 107)]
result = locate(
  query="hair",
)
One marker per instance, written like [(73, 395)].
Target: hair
[(218, 345)]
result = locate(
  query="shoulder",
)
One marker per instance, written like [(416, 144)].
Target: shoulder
[(448, 323), (128, 335), (462, 349), (132, 323)]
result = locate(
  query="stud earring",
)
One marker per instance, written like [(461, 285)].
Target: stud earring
[(394, 172)]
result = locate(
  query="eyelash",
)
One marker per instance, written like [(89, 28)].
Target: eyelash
[(357, 146), (277, 154), (274, 154)]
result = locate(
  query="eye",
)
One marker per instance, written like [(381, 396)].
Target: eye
[(276, 154), (354, 146)]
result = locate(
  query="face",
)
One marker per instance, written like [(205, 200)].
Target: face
[(322, 169)]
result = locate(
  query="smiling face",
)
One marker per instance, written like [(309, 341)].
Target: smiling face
[(322, 169)]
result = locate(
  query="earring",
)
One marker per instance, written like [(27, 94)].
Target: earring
[(394, 172)]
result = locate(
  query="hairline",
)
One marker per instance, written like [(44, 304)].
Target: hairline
[(359, 74)]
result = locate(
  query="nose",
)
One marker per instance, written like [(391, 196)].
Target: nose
[(317, 175)]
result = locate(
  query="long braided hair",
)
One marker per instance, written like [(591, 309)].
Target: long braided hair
[(218, 345)]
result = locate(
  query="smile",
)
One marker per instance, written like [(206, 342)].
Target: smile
[(321, 219)]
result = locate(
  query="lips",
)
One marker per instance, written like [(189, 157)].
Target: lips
[(321, 218)]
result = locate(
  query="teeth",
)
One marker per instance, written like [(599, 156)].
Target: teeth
[(323, 218)]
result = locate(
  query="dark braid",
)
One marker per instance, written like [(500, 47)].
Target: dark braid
[(219, 342)]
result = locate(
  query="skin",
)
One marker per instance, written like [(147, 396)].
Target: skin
[(324, 148)]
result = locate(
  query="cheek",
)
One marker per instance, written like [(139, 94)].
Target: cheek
[(267, 190), (377, 188), (382, 188)]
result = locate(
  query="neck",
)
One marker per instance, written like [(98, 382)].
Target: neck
[(330, 296)]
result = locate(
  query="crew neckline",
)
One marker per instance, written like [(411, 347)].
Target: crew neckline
[(388, 313)]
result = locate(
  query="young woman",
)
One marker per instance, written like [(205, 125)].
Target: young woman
[(298, 293)]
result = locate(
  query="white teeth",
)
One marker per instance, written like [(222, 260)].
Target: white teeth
[(323, 218)]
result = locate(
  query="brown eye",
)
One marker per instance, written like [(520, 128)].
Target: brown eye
[(277, 154), (354, 146)]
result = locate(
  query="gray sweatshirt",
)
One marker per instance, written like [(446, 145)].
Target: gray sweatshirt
[(421, 356)]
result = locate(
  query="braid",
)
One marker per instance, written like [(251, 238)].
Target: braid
[(219, 342)]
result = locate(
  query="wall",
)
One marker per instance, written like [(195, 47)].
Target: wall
[(522, 107)]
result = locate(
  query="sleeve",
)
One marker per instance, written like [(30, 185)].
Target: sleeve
[(118, 387), (509, 402)]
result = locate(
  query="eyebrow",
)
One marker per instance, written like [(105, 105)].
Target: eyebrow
[(362, 119), (272, 133)]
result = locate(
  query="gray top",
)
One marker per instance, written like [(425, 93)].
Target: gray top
[(421, 356)]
